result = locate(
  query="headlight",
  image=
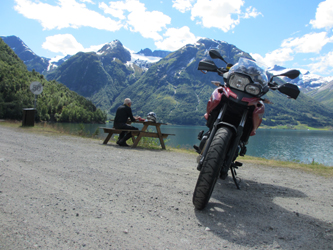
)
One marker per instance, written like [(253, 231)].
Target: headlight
[(252, 89), (243, 83), (238, 82)]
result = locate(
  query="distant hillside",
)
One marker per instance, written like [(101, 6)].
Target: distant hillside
[(156, 53), (324, 94), (174, 89), (31, 60), (318, 87), (55, 103), (304, 110), (100, 76), (178, 93)]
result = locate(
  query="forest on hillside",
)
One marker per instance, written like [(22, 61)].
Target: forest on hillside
[(55, 103)]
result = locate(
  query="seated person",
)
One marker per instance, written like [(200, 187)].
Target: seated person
[(123, 113)]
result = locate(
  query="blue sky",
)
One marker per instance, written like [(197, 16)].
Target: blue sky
[(290, 33)]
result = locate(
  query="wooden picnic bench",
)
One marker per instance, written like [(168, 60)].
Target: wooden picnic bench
[(138, 134)]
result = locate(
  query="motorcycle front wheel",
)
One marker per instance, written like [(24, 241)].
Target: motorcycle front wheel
[(211, 167)]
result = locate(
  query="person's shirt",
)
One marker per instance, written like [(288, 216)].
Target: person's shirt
[(123, 113)]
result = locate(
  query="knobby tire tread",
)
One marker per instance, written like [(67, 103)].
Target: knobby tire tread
[(211, 167)]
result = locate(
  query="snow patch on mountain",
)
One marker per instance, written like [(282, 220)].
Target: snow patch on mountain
[(306, 81), (108, 47), (141, 57), (143, 61), (56, 61)]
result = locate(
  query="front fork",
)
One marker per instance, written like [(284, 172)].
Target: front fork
[(233, 147), (211, 136)]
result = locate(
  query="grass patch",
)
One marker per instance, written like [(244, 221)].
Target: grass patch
[(46, 128), (296, 127), (314, 167), (43, 128)]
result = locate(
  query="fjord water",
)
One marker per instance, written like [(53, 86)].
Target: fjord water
[(280, 144)]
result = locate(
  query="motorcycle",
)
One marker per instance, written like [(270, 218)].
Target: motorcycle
[(234, 113)]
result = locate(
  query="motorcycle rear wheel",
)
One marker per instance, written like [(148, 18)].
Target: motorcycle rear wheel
[(211, 167)]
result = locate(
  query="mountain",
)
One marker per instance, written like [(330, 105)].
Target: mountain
[(171, 86), (100, 76), (318, 87), (178, 93), (156, 53), (30, 59), (312, 81), (26, 54), (324, 93), (55, 103), (144, 59)]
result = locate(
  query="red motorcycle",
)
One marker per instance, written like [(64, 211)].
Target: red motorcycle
[(234, 113)]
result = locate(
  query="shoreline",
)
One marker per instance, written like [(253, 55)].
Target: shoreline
[(314, 167)]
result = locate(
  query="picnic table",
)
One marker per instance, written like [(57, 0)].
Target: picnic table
[(138, 134)]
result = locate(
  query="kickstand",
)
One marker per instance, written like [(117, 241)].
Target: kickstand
[(233, 168)]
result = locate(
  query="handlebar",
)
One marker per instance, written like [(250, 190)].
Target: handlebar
[(221, 71)]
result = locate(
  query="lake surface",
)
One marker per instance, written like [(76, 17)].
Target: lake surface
[(279, 144)]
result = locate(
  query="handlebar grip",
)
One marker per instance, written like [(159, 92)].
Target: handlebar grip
[(221, 71)]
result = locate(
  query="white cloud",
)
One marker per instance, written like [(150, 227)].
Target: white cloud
[(221, 14), (309, 43), (115, 9), (182, 5), (251, 12), (93, 48), (68, 13), (87, 1), (324, 15), (176, 38), (147, 23), (324, 64), (276, 57), (64, 43)]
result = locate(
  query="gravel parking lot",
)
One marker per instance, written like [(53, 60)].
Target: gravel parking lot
[(66, 192)]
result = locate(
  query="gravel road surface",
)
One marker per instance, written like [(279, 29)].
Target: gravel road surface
[(65, 192)]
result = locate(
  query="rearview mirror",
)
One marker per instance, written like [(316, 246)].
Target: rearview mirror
[(292, 74), (216, 55), (289, 89)]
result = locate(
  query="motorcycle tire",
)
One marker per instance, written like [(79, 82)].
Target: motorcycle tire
[(211, 167)]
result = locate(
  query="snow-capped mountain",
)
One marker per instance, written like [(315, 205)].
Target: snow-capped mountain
[(313, 81), (144, 59), (306, 81)]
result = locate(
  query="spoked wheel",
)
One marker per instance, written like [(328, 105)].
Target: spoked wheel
[(211, 167)]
